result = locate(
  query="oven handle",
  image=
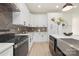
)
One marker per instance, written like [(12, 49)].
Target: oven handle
[(17, 45)]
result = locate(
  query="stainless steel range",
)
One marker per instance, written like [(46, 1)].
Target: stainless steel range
[(20, 43)]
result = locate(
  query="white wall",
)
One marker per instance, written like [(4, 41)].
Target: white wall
[(71, 19), (52, 26), (67, 16), (75, 21)]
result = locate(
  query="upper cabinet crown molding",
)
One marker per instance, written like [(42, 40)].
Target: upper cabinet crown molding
[(8, 7)]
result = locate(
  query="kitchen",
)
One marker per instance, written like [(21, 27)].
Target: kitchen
[(39, 29)]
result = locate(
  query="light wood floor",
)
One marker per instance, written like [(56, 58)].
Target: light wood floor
[(40, 49)]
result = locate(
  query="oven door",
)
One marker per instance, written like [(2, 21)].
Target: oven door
[(21, 49)]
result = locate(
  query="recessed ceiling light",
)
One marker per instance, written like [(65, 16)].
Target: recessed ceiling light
[(57, 6), (39, 6)]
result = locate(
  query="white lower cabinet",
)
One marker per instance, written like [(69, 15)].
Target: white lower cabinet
[(7, 52), (37, 37), (40, 37)]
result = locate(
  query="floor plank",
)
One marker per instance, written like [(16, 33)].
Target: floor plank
[(40, 49)]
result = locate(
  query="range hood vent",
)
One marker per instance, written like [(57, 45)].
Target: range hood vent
[(9, 7)]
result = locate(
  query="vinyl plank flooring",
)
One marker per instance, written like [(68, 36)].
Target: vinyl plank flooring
[(40, 49)]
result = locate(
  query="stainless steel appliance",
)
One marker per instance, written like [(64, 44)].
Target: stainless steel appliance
[(21, 46), (20, 43)]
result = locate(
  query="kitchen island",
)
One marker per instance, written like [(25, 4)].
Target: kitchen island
[(68, 44), (6, 49), (63, 36)]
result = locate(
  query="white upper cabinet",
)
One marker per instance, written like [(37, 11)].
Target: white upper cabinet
[(17, 18), (22, 17), (32, 21), (38, 20)]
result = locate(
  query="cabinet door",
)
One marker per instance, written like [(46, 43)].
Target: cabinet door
[(8, 52), (22, 16), (37, 37), (40, 37), (17, 18), (42, 20), (27, 18), (32, 20), (38, 20), (43, 36)]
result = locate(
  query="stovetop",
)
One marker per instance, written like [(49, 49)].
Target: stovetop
[(11, 38), (6, 37)]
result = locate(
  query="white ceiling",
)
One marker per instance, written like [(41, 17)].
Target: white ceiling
[(46, 7)]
